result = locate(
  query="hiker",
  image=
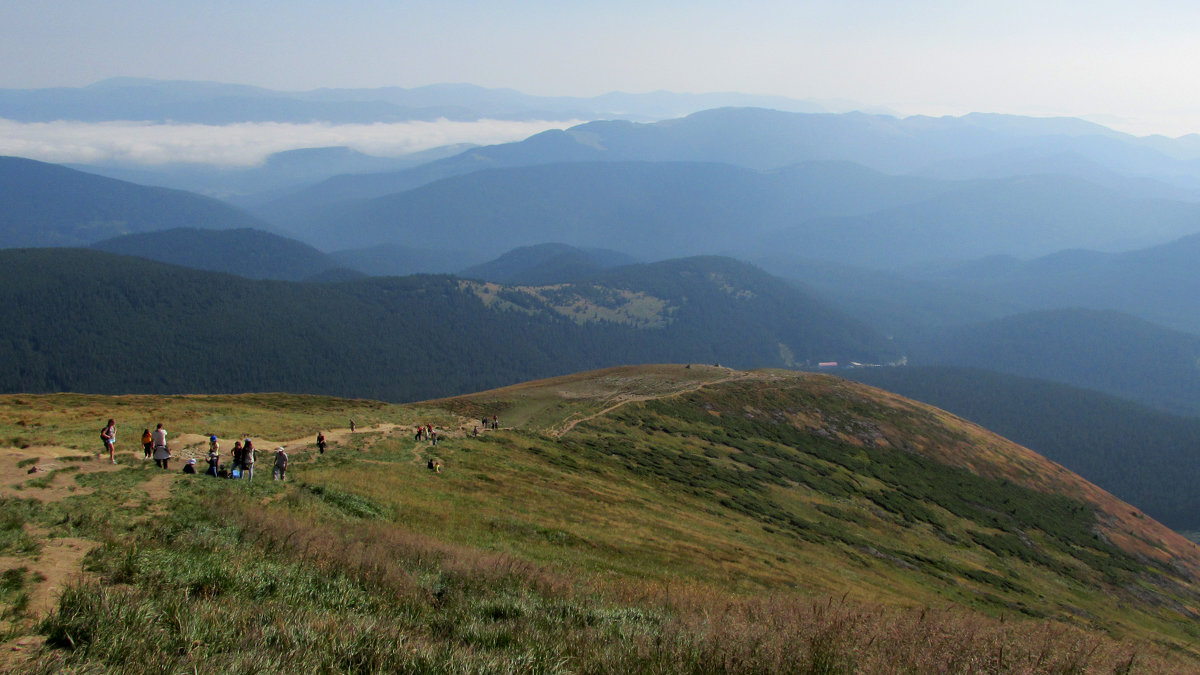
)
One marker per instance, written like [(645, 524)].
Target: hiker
[(213, 445), (433, 438), (281, 462), (248, 460), (190, 467), (351, 426), (162, 454), (484, 421), (321, 442), (475, 431), (109, 436), (495, 422), (419, 434), (147, 444), (235, 471), (214, 461)]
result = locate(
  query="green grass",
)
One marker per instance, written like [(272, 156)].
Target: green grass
[(74, 420), (749, 527), (222, 583)]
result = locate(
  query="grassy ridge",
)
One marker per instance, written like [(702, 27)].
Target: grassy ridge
[(690, 520)]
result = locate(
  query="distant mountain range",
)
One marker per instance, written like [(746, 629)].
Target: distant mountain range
[(928, 258), (50, 205), (1156, 283), (217, 103), (976, 146), (834, 211), (281, 173)]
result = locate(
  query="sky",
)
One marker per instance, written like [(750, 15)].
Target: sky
[(1132, 66)]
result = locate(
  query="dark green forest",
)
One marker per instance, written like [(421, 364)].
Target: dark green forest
[(246, 252), (1148, 458), (87, 321), (1095, 349)]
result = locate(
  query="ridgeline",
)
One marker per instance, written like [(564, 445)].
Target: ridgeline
[(669, 518)]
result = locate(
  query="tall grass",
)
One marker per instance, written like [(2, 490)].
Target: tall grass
[(224, 583)]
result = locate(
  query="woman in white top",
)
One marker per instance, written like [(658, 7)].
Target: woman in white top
[(162, 454)]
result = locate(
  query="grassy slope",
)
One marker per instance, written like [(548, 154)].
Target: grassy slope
[(614, 514)]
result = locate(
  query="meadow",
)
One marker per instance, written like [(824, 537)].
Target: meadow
[(623, 521)]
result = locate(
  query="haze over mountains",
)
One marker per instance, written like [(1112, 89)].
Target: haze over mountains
[(1053, 249), (126, 98)]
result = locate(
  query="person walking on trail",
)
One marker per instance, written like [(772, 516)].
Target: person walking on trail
[(321, 442), (162, 454), (248, 460), (433, 438), (281, 462), (147, 444), (351, 426), (108, 435)]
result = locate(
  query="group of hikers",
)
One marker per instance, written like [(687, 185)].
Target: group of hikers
[(154, 445)]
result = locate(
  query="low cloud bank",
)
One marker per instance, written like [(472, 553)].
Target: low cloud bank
[(245, 144)]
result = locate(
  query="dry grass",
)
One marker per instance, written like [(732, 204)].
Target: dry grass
[(530, 555)]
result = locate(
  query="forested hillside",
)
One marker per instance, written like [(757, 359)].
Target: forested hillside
[(1143, 456), (247, 253), (546, 264), (49, 205), (1102, 350), (91, 322)]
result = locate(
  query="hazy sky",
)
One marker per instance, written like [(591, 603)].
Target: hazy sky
[(1132, 65)]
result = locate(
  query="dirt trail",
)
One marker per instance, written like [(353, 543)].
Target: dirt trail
[(626, 400), (60, 561)]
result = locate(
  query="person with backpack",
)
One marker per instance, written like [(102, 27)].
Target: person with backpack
[(248, 460), (321, 442), (235, 470), (108, 435), (147, 444)]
